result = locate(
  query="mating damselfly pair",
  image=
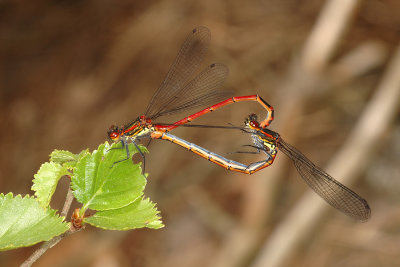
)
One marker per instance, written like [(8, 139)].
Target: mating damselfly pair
[(179, 92)]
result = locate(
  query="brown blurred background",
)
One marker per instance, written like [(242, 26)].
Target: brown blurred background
[(70, 69)]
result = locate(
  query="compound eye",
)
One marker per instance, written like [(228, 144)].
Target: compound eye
[(254, 124), (113, 135), (113, 132)]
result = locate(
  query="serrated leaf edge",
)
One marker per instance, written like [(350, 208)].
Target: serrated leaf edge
[(51, 212), (157, 220), (63, 171)]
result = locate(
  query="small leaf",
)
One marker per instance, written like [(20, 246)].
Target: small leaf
[(100, 183), (46, 180), (139, 214), (66, 158), (61, 156), (24, 222)]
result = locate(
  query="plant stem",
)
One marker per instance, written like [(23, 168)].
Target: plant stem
[(51, 243)]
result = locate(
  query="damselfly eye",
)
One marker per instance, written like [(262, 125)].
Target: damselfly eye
[(113, 132), (251, 121), (254, 124), (113, 135)]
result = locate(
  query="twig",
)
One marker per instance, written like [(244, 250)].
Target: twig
[(51, 243), (68, 202), (360, 61), (331, 25)]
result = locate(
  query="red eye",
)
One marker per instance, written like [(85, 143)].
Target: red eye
[(113, 135), (254, 124)]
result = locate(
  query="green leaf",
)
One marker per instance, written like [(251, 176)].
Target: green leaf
[(99, 183), (66, 158), (139, 214), (24, 222), (46, 180)]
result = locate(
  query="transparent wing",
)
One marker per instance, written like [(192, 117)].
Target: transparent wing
[(186, 62), (201, 91), (333, 192)]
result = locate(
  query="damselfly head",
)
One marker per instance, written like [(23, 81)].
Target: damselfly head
[(114, 133), (251, 121)]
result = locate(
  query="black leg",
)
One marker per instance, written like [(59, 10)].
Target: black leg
[(259, 149), (148, 144), (142, 155), (124, 145)]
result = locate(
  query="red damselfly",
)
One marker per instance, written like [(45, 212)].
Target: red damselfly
[(178, 92), (269, 142)]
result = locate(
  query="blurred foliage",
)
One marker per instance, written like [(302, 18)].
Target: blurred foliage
[(69, 69)]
